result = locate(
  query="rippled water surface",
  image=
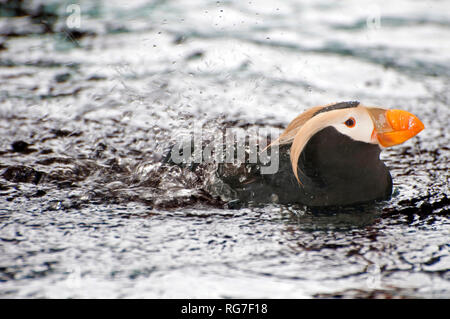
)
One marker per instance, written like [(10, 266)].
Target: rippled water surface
[(87, 209)]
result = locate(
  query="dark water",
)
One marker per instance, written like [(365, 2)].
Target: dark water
[(86, 210)]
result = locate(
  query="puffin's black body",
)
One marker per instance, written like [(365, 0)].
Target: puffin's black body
[(334, 170), (328, 156)]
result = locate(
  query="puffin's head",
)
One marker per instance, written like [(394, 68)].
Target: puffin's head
[(372, 125)]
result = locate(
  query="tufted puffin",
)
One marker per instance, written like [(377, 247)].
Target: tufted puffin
[(328, 156)]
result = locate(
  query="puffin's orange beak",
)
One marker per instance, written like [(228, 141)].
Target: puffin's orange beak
[(395, 127)]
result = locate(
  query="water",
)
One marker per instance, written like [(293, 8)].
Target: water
[(86, 210)]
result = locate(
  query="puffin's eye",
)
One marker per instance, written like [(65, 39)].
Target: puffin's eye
[(350, 122)]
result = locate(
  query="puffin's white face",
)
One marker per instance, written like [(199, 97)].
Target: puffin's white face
[(365, 124), (357, 124)]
